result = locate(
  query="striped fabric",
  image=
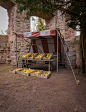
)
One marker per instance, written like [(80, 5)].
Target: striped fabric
[(43, 41)]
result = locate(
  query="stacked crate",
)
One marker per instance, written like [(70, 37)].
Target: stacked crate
[(4, 53), (19, 63)]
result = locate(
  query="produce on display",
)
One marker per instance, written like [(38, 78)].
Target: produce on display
[(44, 73), (39, 55), (37, 72), (32, 55), (48, 56), (27, 70), (26, 55)]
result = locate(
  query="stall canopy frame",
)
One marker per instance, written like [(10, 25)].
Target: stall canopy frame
[(48, 40)]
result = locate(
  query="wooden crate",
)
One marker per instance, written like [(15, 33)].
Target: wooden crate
[(15, 70), (46, 59), (33, 74), (22, 73), (24, 58), (26, 74), (31, 58), (19, 71), (41, 57), (20, 63), (19, 66), (45, 76)]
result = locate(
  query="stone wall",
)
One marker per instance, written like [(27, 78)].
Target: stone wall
[(71, 40), (50, 24), (73, 45), (68, 33), (18, 24), (4, 49)]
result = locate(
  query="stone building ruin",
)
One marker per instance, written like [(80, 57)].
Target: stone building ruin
[(18, 24)]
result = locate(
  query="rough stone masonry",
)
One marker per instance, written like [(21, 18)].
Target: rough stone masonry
[(18, 24)]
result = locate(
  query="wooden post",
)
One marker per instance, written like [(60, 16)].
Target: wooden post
[(57, 40), (16, 50), (57, 52)]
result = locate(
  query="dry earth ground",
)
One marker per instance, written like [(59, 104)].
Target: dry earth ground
[(59, 93)]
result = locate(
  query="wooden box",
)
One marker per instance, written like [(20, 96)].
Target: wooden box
[(40, 58), (43, 74), (19, 71), (31, 58), (47, 58), (24, 58), (26, 74), (15, 70), (23, 73), (34, 73)]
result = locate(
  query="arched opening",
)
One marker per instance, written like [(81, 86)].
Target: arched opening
[(3, 21), (4, 50), (37, 24), (5, 9)]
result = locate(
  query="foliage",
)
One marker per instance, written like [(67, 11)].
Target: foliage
[(41, 24), (73, 9)]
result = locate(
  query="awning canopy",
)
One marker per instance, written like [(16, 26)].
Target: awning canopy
[(43, 41), (46, 42), (37, 35)]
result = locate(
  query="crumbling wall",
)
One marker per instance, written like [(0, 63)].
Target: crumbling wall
[(4, 49), (17, 24), (50, 24), (68, 33), (73, 45), (71, 40)]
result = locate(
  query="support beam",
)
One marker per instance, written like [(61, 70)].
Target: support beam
[(57, 39), (16, 50), (57, 52)]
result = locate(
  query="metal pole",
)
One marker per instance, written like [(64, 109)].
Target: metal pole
[(16, 49), (57, 40), (57, 52)]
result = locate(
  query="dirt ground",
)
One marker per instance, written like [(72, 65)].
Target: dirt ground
[(59, 93)]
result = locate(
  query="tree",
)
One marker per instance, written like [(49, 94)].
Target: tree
[(41, 24), (75, 11)]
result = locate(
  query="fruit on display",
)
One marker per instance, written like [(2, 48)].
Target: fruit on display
[(37, 72), (27, 71), (39, 56), (32, 55), (44, 73), (26, 55), (48, 56)]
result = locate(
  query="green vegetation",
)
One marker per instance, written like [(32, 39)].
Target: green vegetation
[(41, 24)]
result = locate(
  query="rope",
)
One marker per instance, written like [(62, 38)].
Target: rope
[(77, 81)]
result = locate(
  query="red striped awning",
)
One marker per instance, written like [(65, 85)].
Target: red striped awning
[(33, 35), (43, 41)]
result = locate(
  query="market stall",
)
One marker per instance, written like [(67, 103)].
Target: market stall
[(43, 42)]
